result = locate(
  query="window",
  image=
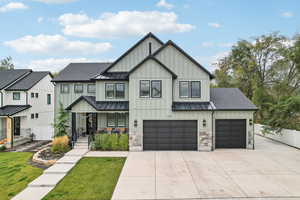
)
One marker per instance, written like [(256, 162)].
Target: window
[(155, 89), (91, 88), (32, 116), (64, 88), (36, 115), (78, 88), (120, 90), (144, 88), (49, 99), (32, 95), (36, 95), (109, 90), (111, 120), (16, 96), (184, 89), (121, 120), (195, 89)]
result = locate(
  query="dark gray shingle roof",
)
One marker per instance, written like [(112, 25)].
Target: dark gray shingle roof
[(102, 105), (80, 72), (12, 109), (230, 99), (28, 81), (191, 106), (9, 76)]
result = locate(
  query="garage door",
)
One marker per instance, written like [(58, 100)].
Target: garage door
[(170, 134), (230, 133)]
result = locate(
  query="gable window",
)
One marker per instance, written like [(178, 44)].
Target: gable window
[(16, 96), (36, 115), (184, 89), (49, 99), (78, 88), (155, 89), (64, 88), (32, 116), (91, 88), (32, 95), (144, 88), (109, 90), (36, 95), (120, 90), (195, 89)]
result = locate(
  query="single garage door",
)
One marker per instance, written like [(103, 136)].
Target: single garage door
[(230, 133), (170, 134)]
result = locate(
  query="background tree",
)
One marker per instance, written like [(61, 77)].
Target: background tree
[(6, 63)]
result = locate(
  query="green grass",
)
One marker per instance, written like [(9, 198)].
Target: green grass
[(15, 173), (90, 179)]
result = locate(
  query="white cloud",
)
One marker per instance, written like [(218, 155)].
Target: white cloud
[(123, 23), (212, 44), (40, 19), (214, 25), (55, 1), (56, 45), (164, 4), (13, 6), (287, 14)]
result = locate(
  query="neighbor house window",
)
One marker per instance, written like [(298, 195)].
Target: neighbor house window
[(36, 95), (184, 89), (16, 96), (48, 99), (111, 120), (109, 90), (32, 95), (78, 88), (91, 88), (64, 88), (32, 116), (144, 88), (121, 120), (120, 90), (195, 89), (155, 89), (36, 115)]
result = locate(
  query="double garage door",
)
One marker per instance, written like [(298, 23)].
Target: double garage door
[(170, 134)]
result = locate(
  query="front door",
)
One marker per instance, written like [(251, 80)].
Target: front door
[(17, 126), (91, 122)]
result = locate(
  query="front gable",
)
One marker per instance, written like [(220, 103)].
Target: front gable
[(135, 54)]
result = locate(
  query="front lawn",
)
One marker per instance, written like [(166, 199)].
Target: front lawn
[(15, 173), (90, 179)]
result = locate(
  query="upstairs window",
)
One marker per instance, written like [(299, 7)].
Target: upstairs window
[(155, 89), (78, 88), (64, 88), (91, 88), (49, 99), (144, 88), (195, 89), (190, 89), (109, 90), (184, 89), (36, 115), (36, 95), (16, 96), (32, 95), (120, 90)]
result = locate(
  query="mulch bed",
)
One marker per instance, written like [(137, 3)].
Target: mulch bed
[(47, 154)]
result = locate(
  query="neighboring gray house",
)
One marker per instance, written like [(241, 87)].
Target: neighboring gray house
[(161, 95), (26, 105)]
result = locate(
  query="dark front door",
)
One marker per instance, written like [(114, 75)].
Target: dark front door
[(170, 134), (91, 123), (230, 133), (17, 126)]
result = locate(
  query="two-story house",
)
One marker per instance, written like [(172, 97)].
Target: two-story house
[(26, 105), (161, 95)]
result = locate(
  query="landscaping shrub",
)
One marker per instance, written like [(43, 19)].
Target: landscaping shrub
[(60, 144), (2, 148), (111, 142)]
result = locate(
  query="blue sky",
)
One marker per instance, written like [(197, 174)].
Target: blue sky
[(48, 34)]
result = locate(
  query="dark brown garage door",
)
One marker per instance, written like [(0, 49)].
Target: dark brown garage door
[(230, 133), (170, 134)]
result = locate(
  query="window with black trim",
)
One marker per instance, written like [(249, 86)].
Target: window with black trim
[(64, 88), (16, 96), (32, 116), (91, 88), (121, 120), (116, 120), (36, 95), (111, 120), (109, 90), (184, 89), (156, 89), (195, 89), (32, 95), (120, 90), (36, 115), (78, 88), (144, 88), (49, 99)]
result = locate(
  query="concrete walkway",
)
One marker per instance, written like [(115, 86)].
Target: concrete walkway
[(107, 154), (41, 186)]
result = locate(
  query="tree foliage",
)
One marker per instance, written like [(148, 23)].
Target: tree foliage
[(6, 64), (60, 125), (267, 70)]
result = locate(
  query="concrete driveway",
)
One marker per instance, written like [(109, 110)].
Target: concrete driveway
[(272, 170)]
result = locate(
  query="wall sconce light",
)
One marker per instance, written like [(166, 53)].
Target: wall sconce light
[(204, 123), (135, 123), (250, 122)]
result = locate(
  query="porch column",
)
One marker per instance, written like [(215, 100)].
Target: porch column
[(73, 126), (9, 132)]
